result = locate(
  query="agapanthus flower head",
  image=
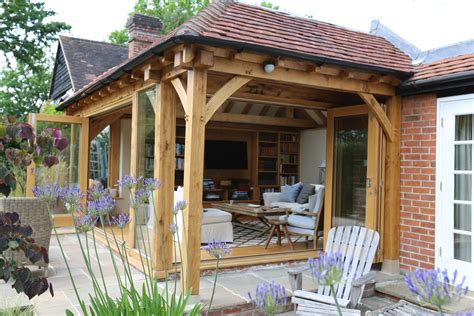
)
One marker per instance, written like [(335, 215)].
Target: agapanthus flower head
[(101, 207), (128, 182), (139, 198), (47, 192), (268, 297), (217, 249), (85, 223), (435, 287), (96, 192), (72, 197), (121, 220), (151, 184), (327, 268), (180, 206), (173, 228)]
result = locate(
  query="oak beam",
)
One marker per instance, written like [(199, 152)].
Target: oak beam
[(380, 115), (193, 175), (254, 70), (181, 91), (223, 94), (391, 225), (165, 133)]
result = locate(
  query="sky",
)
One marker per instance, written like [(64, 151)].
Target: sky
[(425, 23)]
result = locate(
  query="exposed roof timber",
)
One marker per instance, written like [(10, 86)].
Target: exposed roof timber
[(228, 107)]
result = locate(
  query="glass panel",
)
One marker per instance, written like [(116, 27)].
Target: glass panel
[(350, 170), (462, 217), (463, 157), (462, 247), (463, 187), (464, 127), (66, 173), (145, 156), (99, 158)]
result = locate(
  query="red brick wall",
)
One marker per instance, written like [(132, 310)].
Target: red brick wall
[(418, 162)]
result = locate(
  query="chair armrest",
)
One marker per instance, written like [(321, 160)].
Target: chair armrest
[(357, 287), (270, 197), (296, 276)]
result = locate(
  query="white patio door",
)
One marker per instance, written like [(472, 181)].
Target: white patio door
[(455, 192)]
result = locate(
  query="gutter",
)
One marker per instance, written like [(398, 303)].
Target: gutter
[(193, 39), (436, 84)]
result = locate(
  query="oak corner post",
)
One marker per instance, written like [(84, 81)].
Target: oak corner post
[(193, 176), (392, 191), (165, 129)]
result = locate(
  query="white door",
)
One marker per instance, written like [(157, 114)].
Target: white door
[(454, 178)]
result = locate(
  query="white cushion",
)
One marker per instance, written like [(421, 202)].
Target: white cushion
[(301, 221), (295, 207), (214, 215), (217, 232)]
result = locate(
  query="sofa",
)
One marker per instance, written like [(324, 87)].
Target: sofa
[(304, 218), (215, 224)]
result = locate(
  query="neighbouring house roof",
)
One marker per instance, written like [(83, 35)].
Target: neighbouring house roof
[(444, 67), (242, 26), (79, 62)]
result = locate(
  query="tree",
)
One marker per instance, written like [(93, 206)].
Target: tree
[(24, 33), (25, 40), (172, 13)]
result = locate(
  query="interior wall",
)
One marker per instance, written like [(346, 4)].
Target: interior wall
[(312, 153), (125, 155)]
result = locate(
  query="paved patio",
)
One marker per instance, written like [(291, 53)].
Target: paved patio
[(231, 291)]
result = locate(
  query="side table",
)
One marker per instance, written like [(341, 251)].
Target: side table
[(278, 225)]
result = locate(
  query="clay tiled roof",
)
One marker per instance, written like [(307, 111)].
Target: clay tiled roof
[(230, 23), (444, 67), (88, 59), (239, 22)]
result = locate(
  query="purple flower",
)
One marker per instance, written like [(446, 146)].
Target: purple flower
[(327, 268), (72, 198), (268, 297), (47, 192), (139, 198), (128, 182), (96, 192), (151, 184), (173, 228), (101, 207), (180, 206), (435, 287), (217, 249), (121, 220), (85, 223)]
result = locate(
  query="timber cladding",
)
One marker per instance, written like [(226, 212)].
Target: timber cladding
[(417, 191)]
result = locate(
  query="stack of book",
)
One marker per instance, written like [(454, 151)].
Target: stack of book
[(208, 184), (240, 195)]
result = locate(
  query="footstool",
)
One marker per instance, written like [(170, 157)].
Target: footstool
[(216, 225), (279, 224)]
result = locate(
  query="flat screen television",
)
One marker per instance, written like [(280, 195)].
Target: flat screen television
[(219, 154)]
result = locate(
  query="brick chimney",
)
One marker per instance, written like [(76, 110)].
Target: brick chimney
[(142, 31)]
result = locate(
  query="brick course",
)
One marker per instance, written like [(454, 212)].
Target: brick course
[(418, 163)]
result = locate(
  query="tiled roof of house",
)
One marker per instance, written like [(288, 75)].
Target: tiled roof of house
[(87, 60), (444, 67)]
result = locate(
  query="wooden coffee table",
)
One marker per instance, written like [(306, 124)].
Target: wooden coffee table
[(242, 209)]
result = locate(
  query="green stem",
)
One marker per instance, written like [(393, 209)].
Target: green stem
[(213, 287), (98, 262), (175, 265), (185, 239), (117, 274), (65, 260), (126, 258), (136, 242), (334, 295), (125, 271)]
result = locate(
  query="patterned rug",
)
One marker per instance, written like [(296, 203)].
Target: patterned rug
[(252, 237)]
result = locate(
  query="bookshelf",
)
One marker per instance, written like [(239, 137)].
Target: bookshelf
[(179, 156), (278, 160)]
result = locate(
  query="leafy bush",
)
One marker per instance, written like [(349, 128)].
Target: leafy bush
[(17, 238)]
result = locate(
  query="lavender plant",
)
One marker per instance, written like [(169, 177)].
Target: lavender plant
[(269, 297), (328, 269), (435, 287), (218, 250)]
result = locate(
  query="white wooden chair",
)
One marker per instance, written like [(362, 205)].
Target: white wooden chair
[(357, 246)]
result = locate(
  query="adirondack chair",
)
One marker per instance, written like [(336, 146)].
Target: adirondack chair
[(358, 246)]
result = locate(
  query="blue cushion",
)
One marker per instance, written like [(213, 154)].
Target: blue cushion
[(289, 193)]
